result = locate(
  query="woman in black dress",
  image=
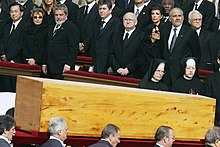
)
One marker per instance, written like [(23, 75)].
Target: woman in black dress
[(34, 39), (152, 79)]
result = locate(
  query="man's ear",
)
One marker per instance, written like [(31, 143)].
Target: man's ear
[(217, 143)]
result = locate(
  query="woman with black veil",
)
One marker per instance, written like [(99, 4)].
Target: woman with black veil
[(188, 82), (154, 75)]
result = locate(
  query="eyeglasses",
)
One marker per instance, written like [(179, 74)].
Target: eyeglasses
[(197, 19), (129, 20), (40, 17)]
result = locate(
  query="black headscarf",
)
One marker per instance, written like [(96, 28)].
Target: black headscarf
[(152, 68)]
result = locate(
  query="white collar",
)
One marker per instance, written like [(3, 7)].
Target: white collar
[(154, 80), (147, 3), (187, 78), (16, 23), (62, 1), (198, 3), (107, 18), (198, 31), (6, 139), (91, 5), (139, 8), (52, 137), (159, 145)]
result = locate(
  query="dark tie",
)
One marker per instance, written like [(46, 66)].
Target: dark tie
[(196, 6), (126, 38), (126, 3), (86, 10), (12, 29), (137, 12), (57, 26), (173, 40), (101, 26)]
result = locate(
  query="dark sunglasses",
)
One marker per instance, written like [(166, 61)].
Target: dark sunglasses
[(40, 17)]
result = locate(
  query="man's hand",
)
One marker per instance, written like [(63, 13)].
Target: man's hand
[(81, 47), (66, 68), (4, 58), (31, 61)]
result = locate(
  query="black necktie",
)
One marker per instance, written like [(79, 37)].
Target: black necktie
[(126, 38), (137, 12), (101, 26), (57, 26), (173, 40), (12, 29), (196, 6), (86, 10)]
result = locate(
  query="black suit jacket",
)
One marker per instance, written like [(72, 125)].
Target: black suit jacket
[(121, 3), (207, 9), (4, 143), (52, 143), (84, 23), (209, 50), (73, 10), (144, 18), (101, 143), (186, 45), (101, 43), (212, 85), (62, 48), (127, 55), (117, 12), (10, 45)]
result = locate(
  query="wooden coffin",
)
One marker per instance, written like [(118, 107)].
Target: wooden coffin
[(89, 107)]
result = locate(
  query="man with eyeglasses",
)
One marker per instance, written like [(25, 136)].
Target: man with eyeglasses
[(126, 48), (207, 42), (205, 7), (110, 137), (58, 132), (164, 137)]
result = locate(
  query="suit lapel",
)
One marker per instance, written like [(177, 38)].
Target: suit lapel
[(131, 38), (179, 37), (107, 26)]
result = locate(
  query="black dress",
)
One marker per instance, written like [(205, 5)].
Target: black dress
[(34, 42), (147, 83)]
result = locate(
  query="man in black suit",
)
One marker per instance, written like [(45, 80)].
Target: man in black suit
[(179, 41), (205, 7), (207, 42), (212, 85), (142, 11), (164, 137), (100, 40), (10, 43), (73, 10), (62, 44), (123, 4), (110, 137), (88, 15), (126, 46), (58, 132), (7, 130)]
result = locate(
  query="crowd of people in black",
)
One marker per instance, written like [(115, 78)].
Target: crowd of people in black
[(162, 42)]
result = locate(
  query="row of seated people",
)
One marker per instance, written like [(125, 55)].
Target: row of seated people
[(110, 135)]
